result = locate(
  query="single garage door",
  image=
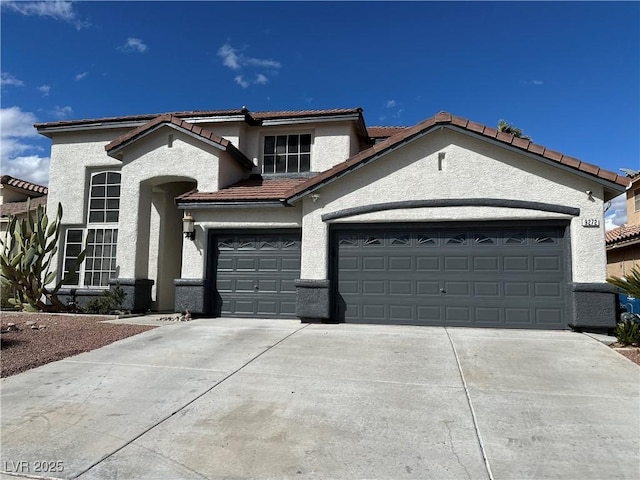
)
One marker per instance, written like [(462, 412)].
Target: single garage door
[(512, 277), (255, 274)]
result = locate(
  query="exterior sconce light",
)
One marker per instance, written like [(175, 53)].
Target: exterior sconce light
[(188, 226), (315, 197)]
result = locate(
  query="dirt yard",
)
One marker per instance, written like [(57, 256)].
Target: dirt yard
[(54, 337)]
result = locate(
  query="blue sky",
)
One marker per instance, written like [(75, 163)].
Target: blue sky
[(568, 74)]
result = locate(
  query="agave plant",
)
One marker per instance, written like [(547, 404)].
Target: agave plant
[(26, 261)]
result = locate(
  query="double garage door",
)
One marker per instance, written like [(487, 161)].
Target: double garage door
[(482, 277)]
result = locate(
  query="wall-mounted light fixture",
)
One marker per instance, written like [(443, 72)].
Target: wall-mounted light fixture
[(315, 197), (188, 226)]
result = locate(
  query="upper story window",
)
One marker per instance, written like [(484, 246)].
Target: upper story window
[(287, 153), (636, 199), (104, 197)]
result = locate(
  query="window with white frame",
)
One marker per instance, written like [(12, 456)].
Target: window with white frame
[(636, 199), (100, 235), (287, 153)]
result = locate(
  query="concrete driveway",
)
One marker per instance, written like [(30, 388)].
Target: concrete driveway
[(232, 398)]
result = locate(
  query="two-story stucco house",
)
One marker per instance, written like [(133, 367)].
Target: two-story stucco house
[(311, 214)]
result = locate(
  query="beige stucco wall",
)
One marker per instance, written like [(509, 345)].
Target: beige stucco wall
[(633, 216), (194, 253), (622, 259), (471, 169)]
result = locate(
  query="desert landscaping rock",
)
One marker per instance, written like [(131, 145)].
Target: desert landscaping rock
[(57, 337)]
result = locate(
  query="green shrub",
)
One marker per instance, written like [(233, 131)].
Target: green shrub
[(628, 330), (630, 283), (110, 301)]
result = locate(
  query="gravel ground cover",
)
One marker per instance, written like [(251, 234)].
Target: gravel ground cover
[(54, 338)]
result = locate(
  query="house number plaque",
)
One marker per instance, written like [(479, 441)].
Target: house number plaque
[(590, 222)]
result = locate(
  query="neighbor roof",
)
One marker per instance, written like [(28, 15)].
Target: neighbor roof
[(623, 234), (457, 123), (16, 208), (23, 185)]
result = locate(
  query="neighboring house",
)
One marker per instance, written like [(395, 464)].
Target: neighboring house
[(311, 214), (623, 243), (13, 199)]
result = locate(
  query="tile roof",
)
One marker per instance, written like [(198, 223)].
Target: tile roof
[(250, 116), (23, 184), (304, 113), (136, 133), (622, 234), (140, 118), (16, 208), (246, 190), (384, 132), (445, 118)]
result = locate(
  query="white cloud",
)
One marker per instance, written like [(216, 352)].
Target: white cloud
[(134, 45), (31, 168), (261, 79), (61, 112), (6, 79), (235, 60), (391, 103), (80, 76), (57, 9), (535, 83), (616, 214), (239, 79), (44, 89), (17, 155)]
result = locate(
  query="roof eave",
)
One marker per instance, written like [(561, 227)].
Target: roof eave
[(202, 205)]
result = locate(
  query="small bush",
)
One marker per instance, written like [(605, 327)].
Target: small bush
[(628, 330), (110, 301)]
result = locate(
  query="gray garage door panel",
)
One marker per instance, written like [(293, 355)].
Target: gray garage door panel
[(502, 277), (255, 274)]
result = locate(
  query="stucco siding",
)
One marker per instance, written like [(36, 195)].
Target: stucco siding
[(73, 157), (470, 169)]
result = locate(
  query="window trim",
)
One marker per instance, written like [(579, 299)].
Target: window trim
[(287, 134), (636, 199)]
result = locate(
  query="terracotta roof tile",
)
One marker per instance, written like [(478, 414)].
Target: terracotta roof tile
[(246, 190), (570, 161), (23, 184), (505, 137), (17, 208), (537, 149), (475, 127), (520, 142), (553, 155), (624, 233), (384, 132)]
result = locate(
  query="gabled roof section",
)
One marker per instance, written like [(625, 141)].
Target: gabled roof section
[(114, 149), (446, 120), (622, 235), (255, 189), (33, 188)]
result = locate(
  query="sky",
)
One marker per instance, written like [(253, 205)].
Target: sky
[(566, 73)]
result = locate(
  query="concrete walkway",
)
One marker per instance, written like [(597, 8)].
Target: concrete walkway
[(233, 398)]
